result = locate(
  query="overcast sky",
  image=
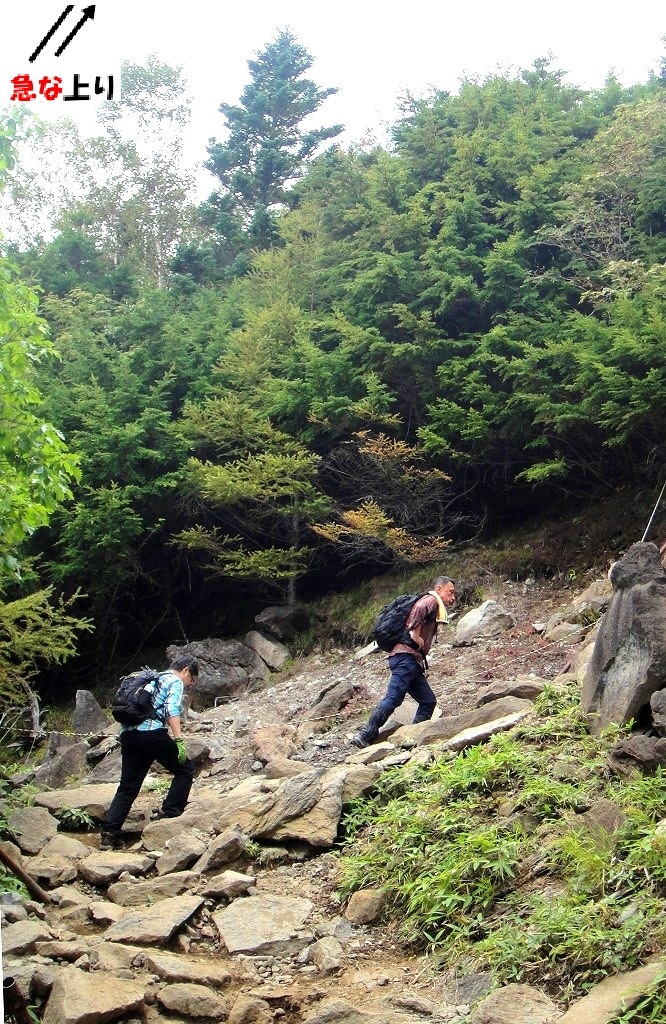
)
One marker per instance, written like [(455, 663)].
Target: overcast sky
[(372, 51)]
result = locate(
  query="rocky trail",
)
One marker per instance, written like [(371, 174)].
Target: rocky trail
[(231, 912)]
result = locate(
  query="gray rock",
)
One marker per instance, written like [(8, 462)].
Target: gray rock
[(104, 866), (447, 726), (70, 762), (192, 1001), (365, 906), (283, 621), (81, 998), (21, 937), (658, 711), (139, 894), (181, 851), (88, 716), (331, 700), (33, 827), (339, 1011), (225, 848), (613, 996), (94, 800), (229, 884), (526, 687), (628, 663), (272, 652), (100, 750), (515, 1004), (589, 605), (570, 631), (469, 988), (486, 621), (648, 751), (226, 668), (172, 968), (327, 954), (154, 925), (265, 924), (107, 768), (481, 733), (603, 819), (12, 913)]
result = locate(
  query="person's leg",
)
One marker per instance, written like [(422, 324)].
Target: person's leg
[(137, 757), (402, 668), (421, 691), (166, 754)]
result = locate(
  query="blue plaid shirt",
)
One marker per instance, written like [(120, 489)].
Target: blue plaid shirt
[(168, 703)]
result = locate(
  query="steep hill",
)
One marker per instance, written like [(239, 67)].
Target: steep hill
[(508, 879)]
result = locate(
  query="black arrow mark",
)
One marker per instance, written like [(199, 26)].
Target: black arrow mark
[(88, 12), (54, 28)]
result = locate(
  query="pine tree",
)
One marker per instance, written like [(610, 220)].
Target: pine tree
[(267, 144)]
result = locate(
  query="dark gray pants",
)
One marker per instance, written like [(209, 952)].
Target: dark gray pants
[(139, 748)]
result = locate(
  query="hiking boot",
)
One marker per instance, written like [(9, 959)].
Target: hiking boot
[(359, 741), (110, 841), (159, 814)]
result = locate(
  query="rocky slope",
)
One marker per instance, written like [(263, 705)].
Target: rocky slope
[(230, 912)]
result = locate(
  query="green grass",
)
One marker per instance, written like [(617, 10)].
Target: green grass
[(534, 895), (650, 1009)]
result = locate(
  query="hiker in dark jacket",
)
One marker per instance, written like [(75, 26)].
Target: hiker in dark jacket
[(150, 741), (407, 661)]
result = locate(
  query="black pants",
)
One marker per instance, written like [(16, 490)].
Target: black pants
[(139, 748)]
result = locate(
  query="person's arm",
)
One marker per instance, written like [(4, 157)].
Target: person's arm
[(173, 723), (173, 704)]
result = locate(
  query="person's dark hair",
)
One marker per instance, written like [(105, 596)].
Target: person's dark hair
[(440, 581), (185, 661)]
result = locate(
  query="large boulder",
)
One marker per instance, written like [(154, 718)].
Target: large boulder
[(81, 998), (33, 827), (628, 664), (270, 741), (330, 700), (88, 716), (488, 620), (283, 621), (226, 668), (69, 763), (445, 728), (272, 652), (265, 924)]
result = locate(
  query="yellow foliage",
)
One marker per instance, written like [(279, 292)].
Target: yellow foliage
[(368, 522)]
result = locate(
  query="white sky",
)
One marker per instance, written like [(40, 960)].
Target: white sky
[(370, 50)]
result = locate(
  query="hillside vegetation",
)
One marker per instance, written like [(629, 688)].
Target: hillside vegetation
[(343, 360)]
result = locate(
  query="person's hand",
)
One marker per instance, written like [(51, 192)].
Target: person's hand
[(182, 751)]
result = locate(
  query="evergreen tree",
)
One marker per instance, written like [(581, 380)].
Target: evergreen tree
[(267, 144)]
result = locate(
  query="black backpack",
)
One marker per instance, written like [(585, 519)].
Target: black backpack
[(390, 625), (132, 702)]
